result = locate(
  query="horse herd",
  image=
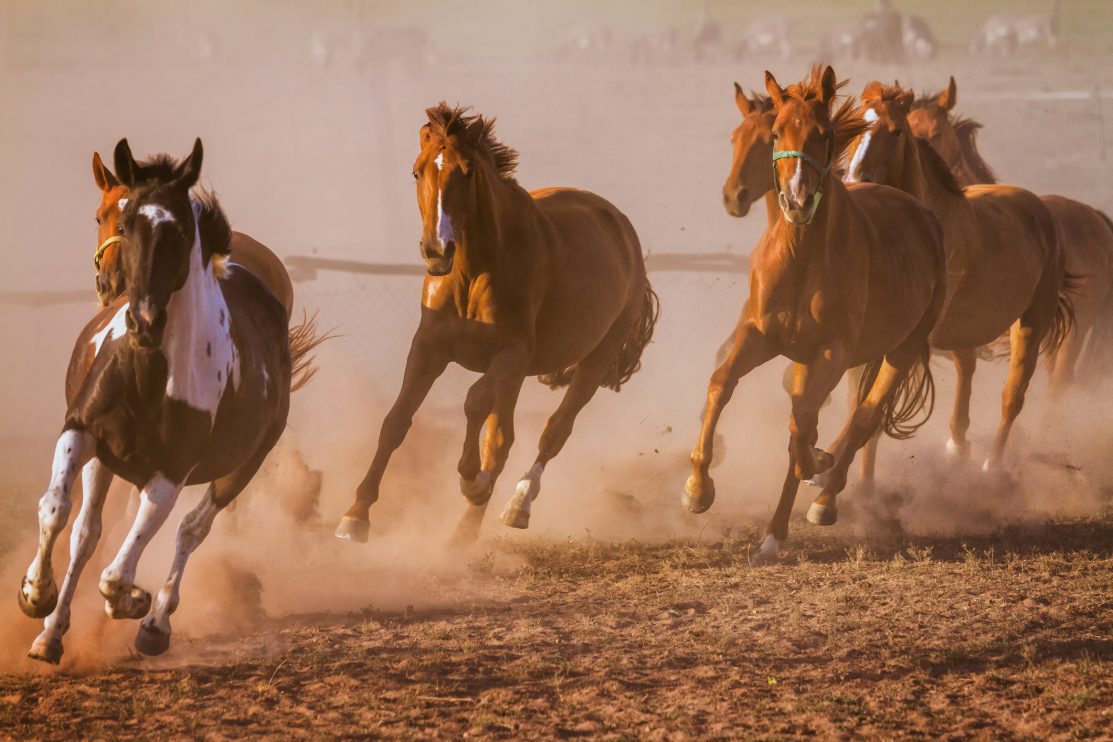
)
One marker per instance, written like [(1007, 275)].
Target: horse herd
[(185, 374)]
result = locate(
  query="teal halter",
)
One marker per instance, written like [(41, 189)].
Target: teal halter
[(823, 170)]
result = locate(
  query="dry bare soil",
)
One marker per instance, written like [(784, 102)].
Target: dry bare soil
[(1010, 635)]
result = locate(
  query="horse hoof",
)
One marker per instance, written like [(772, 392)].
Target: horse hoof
[(822, 515), (515, 515), (762, 559), (134, 605), (698, 501), (353, 529), (477, 491), (151, 641), (41, 607), (823, 460), (46, 649), (958, 451)]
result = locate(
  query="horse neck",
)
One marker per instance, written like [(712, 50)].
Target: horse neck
[(481, 239), (799, 247), (197, 341), (772, 210)]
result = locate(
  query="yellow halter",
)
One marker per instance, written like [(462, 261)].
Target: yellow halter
[(104, 246)]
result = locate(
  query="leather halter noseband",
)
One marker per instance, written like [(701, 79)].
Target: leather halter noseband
[(823, 170), (104, 246)]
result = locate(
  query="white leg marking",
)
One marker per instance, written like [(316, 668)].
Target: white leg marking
[(155, 503), (192, 531), (987, 466), (95, 478), (74, 448), (770, 548), (517, 510)]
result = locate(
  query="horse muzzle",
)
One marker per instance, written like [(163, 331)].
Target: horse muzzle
[(796, 212), (736, 201), (145, 328), (438, 262)]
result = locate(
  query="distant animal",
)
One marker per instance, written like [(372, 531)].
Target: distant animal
[(1005, 34)]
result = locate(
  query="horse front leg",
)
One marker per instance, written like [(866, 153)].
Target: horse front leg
[(38, 595), (966, 362), (750, 350), (423, 366), (1024, 342), (475, 478), (811, 384), (95, 480), (123, 599)]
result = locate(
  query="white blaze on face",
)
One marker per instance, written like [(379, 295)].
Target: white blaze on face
[(445, 231), (156, 214), (796, 185), (852, 175)]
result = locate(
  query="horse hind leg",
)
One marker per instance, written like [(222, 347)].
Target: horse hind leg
[(588, 376), (38, 595), (154, 631), (864, 426), (966, 362), (96, 479)]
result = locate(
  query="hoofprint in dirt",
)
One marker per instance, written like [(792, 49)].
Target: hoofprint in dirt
[(1008, 634)]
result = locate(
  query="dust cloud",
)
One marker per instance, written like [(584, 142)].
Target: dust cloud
[(309, 114)]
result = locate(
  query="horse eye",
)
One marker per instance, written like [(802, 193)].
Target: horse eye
[(414, 173), (120, 227), (98, 220)]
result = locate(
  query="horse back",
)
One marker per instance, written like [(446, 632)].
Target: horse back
[(1016, 223), (261, 260)]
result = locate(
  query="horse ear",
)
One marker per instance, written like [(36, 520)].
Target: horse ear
[(949, 97), (872, 91), (425, 135), (775, 91), (126, 169), (741, 100), (189, 171), (828, 85), (905, 100), (104, 177)]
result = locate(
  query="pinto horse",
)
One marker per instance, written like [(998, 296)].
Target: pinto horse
[(246, 251), (845, 276), (1005, 266), (519, 283), (1086, 233), (183, 380)]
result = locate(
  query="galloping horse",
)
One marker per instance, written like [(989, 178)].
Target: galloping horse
[(1086, 233), (183, 380), (519, 283), (1004, 262), (846, 276), (246, 251)]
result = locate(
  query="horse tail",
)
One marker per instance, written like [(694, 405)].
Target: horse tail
[(1063, 322), (303, 340), (629, 358), (914, 396)]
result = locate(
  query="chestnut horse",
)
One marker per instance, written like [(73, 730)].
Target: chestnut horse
[(846, 276), (183, 380), (519, 283), (1086, 233), (1004, 262)]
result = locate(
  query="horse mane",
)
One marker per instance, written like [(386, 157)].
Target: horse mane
[(158, 167), (966, 129), (449, 121), (933, 162), (214, 228), (846, 122), (760, 103)]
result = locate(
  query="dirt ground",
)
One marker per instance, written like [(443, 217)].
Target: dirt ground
[(1008, 636), (948, 605)]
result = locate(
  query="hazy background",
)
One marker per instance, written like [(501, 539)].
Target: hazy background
[(309, 112)]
